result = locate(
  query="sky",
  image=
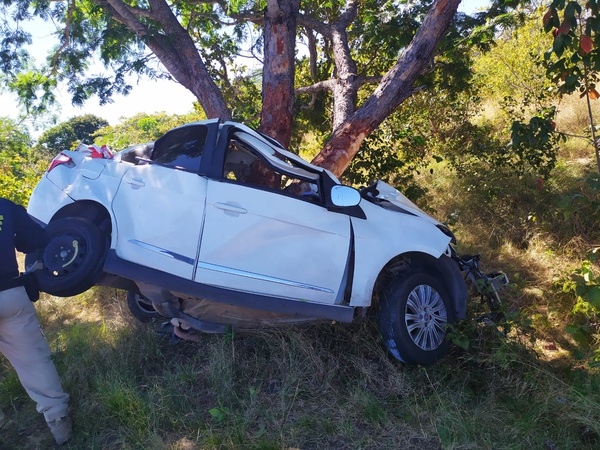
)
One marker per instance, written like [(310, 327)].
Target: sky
[(149, 96)]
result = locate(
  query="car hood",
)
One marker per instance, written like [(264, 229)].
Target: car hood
[(396, 201)]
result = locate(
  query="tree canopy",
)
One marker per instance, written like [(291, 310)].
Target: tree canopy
[(68, 134), (346, 63)]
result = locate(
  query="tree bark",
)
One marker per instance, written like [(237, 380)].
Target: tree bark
[(396, 86), (345, 83), (277, 113), (344, 90)]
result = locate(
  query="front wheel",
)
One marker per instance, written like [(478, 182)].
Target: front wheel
[(73, 257), (414, 312)]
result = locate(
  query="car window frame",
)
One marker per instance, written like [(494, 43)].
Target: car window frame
[(266, 152), (186, 128)]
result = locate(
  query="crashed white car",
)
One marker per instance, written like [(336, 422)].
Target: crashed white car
[(216, 226)]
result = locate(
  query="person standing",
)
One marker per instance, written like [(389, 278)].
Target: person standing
[(21, 339)]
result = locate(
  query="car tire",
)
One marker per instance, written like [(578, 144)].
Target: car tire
[(414, 311), (140, 307), (73, 257)]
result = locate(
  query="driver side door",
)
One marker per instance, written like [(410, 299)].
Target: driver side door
[(270, 241)]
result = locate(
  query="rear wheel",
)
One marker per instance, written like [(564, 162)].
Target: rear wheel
[(414, 312), (140, 307), (73, 257)]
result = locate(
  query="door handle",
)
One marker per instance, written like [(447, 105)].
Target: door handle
[(228, 207)]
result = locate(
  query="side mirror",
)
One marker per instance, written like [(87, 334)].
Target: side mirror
[(344, 196)]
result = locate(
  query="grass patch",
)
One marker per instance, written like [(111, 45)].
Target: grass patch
[(332, 385)]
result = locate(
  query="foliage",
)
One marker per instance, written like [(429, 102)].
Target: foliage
[(512, 76), (141, 128), (576, 47), (36, 90), (243, 93), (430, 127), (13, 138), (19, 168), (221, 32), (439, 122), (584, 284), (535, 142), (582, 208), (393, 154), (68, 134), (511, 71), (588, 285), (427, 126)]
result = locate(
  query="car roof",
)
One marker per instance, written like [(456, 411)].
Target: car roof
[(271, 144)]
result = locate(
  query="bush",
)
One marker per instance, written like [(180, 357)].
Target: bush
[(20, 168)]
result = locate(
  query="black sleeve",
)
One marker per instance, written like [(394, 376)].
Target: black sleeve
[(29, 236)]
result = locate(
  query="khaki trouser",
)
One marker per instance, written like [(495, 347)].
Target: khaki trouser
[(24, 345)]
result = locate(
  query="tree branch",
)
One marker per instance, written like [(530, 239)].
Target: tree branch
[(315, 25), (326, 85), (395, 87), (69, 19)]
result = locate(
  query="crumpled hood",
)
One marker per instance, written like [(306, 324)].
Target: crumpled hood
[(401, 202)]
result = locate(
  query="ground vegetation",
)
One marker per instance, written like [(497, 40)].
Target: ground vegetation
[(531, 381)]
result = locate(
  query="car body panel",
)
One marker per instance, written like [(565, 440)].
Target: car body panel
[(64, 186), (191, 232), (384, 235), (47, 198), (254, 239), (403, 204), (158, 215), (178, 287)]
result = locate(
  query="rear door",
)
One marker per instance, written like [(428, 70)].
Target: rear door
[(159, 205)]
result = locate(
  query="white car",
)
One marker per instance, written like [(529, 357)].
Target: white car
[(216, 225)]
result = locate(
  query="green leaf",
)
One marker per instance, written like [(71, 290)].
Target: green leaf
[(571, 80), (571, 10), (578, 334), (558, 45), (217, 413), (593, 297), (461, 341)]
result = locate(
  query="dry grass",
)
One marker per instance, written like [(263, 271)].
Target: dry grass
[(325, 386), (332, 386), (573, 115)]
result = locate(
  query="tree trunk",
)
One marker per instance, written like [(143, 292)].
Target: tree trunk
[(278, 73), (396, 86)]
